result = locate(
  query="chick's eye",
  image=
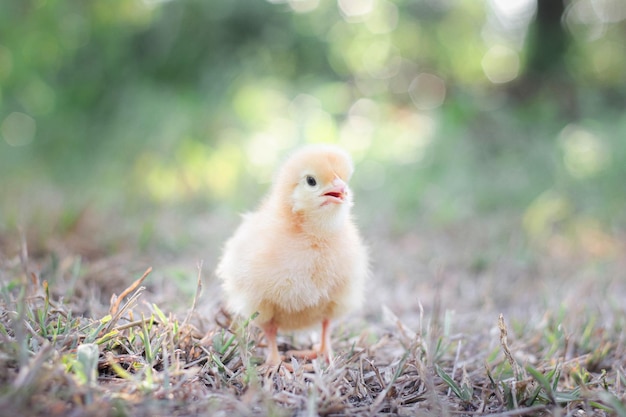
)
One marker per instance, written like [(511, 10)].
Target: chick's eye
[(311, 181)]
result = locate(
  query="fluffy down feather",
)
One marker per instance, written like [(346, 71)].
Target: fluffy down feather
[(298, 260)]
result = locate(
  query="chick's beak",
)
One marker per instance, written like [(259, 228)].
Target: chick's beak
[(337, 193)]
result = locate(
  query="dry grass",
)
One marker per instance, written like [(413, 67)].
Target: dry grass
[(431, 340)]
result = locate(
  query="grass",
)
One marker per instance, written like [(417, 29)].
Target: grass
[(454, 342)]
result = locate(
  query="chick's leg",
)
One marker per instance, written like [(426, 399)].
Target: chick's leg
[(273, 357), (325, 349)]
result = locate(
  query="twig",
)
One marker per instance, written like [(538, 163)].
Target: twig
[(115, 317), (505, 347), (520, 411), (196, 296), (23, 254), (115, 304), (136, 323)]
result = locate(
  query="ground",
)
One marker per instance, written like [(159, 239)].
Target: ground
[(467, 318)]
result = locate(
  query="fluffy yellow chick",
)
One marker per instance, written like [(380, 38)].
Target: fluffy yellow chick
[(298, 260)]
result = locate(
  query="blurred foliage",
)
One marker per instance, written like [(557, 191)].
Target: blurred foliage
[(449, 108)]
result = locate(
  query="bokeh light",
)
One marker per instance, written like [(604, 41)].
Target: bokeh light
[(304, 6), (544, 213), (427, 91), (384, 19), (18, 129), (501, 64), (355, 10), (584, 154)]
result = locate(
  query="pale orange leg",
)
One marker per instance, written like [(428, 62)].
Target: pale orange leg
[(273, 357), (325, 348)]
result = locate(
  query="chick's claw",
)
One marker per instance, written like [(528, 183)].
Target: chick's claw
[(308, 355)]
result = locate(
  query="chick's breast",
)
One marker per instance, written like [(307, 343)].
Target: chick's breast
[(292, 279)]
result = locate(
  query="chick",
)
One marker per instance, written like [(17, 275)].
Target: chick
[(299, 259)]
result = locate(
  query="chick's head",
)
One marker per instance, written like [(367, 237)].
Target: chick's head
[(314, 181)]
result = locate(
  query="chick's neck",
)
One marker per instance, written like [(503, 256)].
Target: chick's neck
[(319, 224)]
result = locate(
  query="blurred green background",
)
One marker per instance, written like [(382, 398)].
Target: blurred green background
[(452, 110)]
